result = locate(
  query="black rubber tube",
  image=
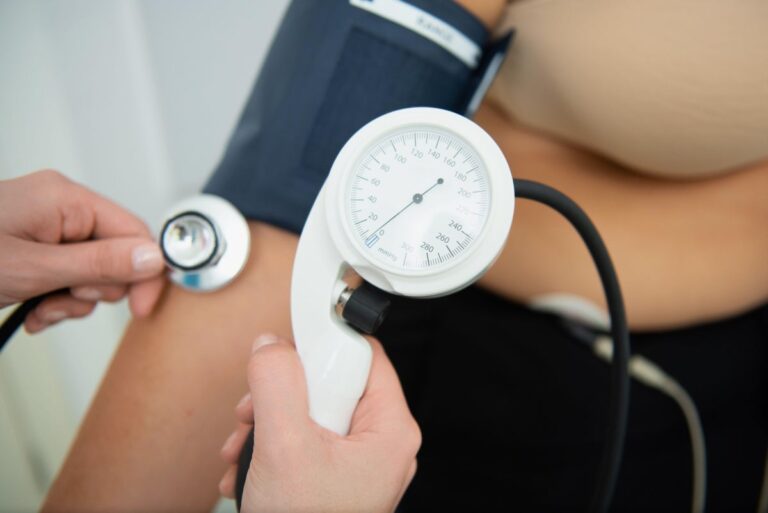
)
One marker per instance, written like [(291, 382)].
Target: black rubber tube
[(16, 319), (618, 406)]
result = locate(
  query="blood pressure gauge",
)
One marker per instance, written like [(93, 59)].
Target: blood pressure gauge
[(423, 202), (418, 202), (205, 242)]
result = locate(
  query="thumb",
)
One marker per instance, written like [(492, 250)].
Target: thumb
[(278, 389), (105, 261)]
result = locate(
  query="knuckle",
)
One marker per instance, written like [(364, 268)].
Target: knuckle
[(53, 185), (52, 180), (412, 437), (50, 175), (78, 222)]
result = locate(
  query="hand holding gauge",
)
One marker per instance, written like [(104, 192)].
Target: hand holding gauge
[(419, 202)]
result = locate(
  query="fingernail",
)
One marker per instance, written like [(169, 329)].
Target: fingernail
[(147, 259), (86, 293), (245, 400), (263, 340), (53, 316)]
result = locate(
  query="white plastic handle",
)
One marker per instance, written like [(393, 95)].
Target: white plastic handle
[(335, 357)]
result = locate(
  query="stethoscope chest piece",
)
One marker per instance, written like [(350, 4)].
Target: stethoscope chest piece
[(205, 242)]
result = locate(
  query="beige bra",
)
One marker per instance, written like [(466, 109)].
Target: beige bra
[(675, 88)]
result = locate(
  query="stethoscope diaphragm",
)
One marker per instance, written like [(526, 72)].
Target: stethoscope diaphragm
[(205, 241), (190, 241)]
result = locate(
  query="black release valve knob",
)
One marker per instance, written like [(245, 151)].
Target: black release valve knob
[(365, 307)]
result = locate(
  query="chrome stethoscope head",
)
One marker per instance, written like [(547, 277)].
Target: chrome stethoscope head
[(205, 242)]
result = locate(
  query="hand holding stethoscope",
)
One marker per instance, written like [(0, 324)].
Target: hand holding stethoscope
[(56, 235)]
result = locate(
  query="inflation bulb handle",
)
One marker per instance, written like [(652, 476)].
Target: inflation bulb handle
[(364, 308)]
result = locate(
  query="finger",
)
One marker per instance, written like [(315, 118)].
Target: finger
[(408, 478), (233, 446), (144, 296), (411, 473), (227, 483), (33, 324), (383, 404), (64, 306), (108, 293), (63, 210), (87, 214), (244, 410), (112, 261), (278, 389), (55, 309)]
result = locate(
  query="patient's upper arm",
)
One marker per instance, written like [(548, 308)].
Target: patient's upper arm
[(151, 439)]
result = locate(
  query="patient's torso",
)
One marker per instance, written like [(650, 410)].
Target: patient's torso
[(675, 88), (614, 102), (685, 251)]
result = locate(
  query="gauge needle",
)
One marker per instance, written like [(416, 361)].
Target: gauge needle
[(417, 198)]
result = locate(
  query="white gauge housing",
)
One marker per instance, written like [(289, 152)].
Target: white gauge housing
[(416, 201), (420, 202)]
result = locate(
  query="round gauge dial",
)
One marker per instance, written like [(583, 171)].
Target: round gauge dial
[(417, 200)]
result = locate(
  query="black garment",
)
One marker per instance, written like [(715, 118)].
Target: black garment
[(512, 410)]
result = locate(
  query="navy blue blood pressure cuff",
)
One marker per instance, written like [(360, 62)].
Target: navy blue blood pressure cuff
[(333, 67)]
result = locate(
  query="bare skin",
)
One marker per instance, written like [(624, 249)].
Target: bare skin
[(151, 439), (684, 252)]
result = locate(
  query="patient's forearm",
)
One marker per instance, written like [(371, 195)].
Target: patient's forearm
[(151, 439)]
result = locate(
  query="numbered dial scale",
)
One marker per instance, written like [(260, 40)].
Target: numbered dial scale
[(420, 201)]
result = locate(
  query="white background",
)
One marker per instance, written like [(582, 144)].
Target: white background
[(136, 99)]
